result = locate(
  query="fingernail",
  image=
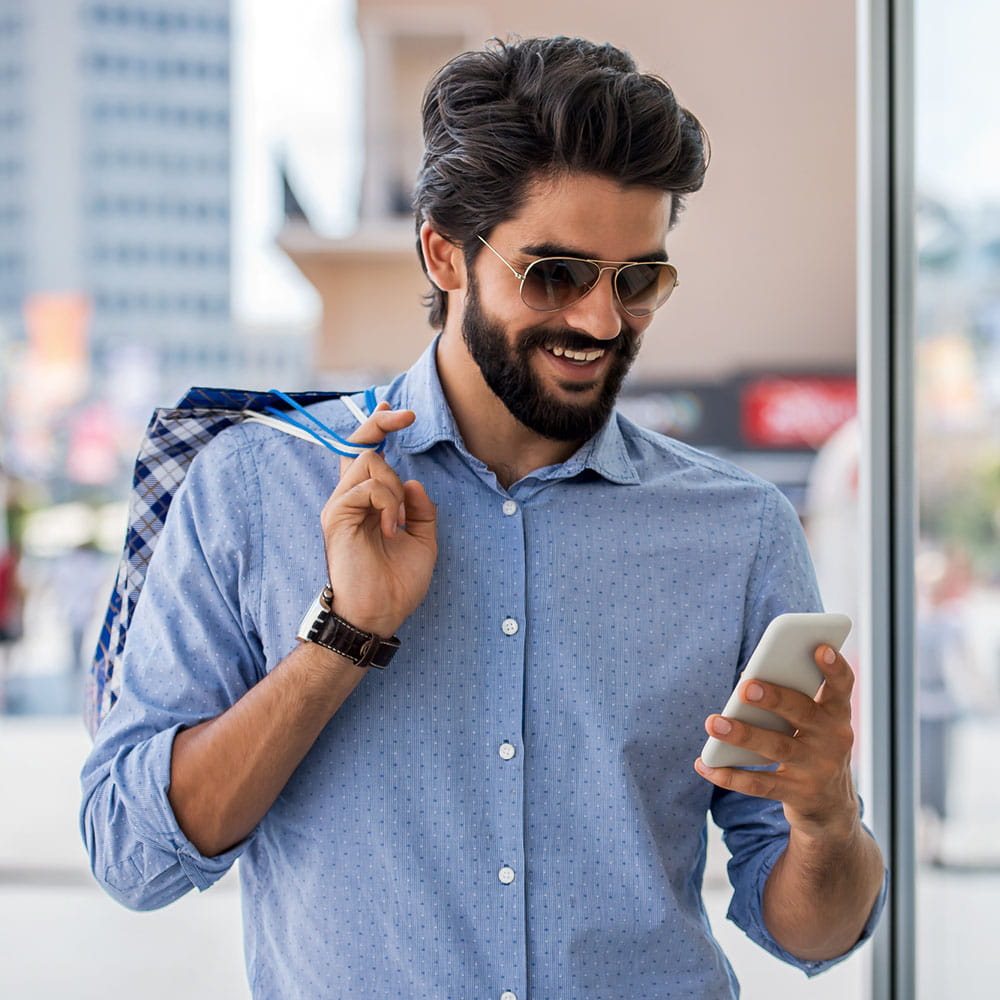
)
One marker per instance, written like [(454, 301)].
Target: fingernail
[(702, 768), (722, 726), (829, 656), (754, 692)]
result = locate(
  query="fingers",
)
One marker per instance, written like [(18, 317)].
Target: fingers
[(770, 744), (797, 709), (388, 570), (817, 749), (370, 465), (811, 774), (760, 784), (838, 675), (823, 720), (809, 781), (385, 490), (382, 422), (370, 486)]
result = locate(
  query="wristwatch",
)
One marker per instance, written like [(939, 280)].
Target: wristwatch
[(322, 626)]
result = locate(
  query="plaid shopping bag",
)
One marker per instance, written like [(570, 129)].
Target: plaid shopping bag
[(173, 438)]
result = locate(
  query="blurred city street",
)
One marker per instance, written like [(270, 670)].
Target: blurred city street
[(61, 935)]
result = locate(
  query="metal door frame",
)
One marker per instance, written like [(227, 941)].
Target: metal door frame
[(886, 390)]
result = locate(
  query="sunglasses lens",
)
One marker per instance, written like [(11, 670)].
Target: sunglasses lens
[(557, 282), (643, 288)]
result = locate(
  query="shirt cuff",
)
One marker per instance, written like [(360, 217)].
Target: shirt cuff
[(141, 776), (747, 912)]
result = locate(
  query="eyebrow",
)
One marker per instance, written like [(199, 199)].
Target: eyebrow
[(555, 250)]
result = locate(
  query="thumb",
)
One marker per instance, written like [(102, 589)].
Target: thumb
[(382, 422)]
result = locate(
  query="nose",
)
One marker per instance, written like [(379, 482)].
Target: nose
[(598, 312)]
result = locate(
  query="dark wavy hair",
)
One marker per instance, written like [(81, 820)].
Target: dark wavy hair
[(495, 120)]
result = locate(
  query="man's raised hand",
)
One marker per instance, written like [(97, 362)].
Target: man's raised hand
[(380, 534)]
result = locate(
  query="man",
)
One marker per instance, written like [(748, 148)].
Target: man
[(512, 808)]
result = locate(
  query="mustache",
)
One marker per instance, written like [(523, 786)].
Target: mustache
[(573, 340)]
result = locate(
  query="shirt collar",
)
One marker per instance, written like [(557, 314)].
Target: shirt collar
[(422, 393), (606, 453)]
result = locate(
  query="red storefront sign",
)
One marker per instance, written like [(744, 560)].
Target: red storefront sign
[(795, 411)]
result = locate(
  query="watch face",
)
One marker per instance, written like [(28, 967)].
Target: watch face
[(313, 618)]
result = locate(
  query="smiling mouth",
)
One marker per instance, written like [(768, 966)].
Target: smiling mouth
[(576, 357)]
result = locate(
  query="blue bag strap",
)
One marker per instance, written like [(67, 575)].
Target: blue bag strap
[(322, 434)]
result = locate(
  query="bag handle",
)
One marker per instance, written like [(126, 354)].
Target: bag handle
[(320, 433)]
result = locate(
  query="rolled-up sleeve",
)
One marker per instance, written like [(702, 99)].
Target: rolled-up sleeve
[(192, 652), (757, 835), (138, 852)]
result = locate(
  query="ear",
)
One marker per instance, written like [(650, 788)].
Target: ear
[(445, 261)]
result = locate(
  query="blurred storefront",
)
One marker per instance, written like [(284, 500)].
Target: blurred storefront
[(766, 252)]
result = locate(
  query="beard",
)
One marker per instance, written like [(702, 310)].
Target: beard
[(507, 371)]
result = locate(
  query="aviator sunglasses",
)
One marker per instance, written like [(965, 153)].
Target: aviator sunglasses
[(552, 283)]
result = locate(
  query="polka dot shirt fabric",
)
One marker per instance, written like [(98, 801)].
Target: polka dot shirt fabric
[(510, 809)]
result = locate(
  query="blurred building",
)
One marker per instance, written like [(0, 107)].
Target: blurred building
[(115, 174), (766, 250)]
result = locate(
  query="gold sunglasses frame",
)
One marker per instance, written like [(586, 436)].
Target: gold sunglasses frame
[(616, 266)]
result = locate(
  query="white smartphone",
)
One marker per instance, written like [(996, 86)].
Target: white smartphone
[(783, 656)]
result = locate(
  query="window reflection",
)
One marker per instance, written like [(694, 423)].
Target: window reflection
[(958, 558)]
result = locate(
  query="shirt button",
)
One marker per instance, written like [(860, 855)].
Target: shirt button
[(509, 507), (507, 995), (509, 626), (506, 875), (507, 750)]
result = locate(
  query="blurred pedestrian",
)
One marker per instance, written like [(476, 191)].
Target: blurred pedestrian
[(942, 654), (11, 611), (81, 580)]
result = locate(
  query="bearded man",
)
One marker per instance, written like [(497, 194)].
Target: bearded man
[(515, 807)]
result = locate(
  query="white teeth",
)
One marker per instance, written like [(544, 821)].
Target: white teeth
[(582, 357)]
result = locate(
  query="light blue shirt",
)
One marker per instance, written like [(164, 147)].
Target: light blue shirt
[(509, 808)]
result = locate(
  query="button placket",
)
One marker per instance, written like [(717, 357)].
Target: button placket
[(508, 794)]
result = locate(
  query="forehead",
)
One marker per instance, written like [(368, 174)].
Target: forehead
[(590, 215)]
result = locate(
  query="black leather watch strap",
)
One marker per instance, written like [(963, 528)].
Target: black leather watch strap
[(322, 626)]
